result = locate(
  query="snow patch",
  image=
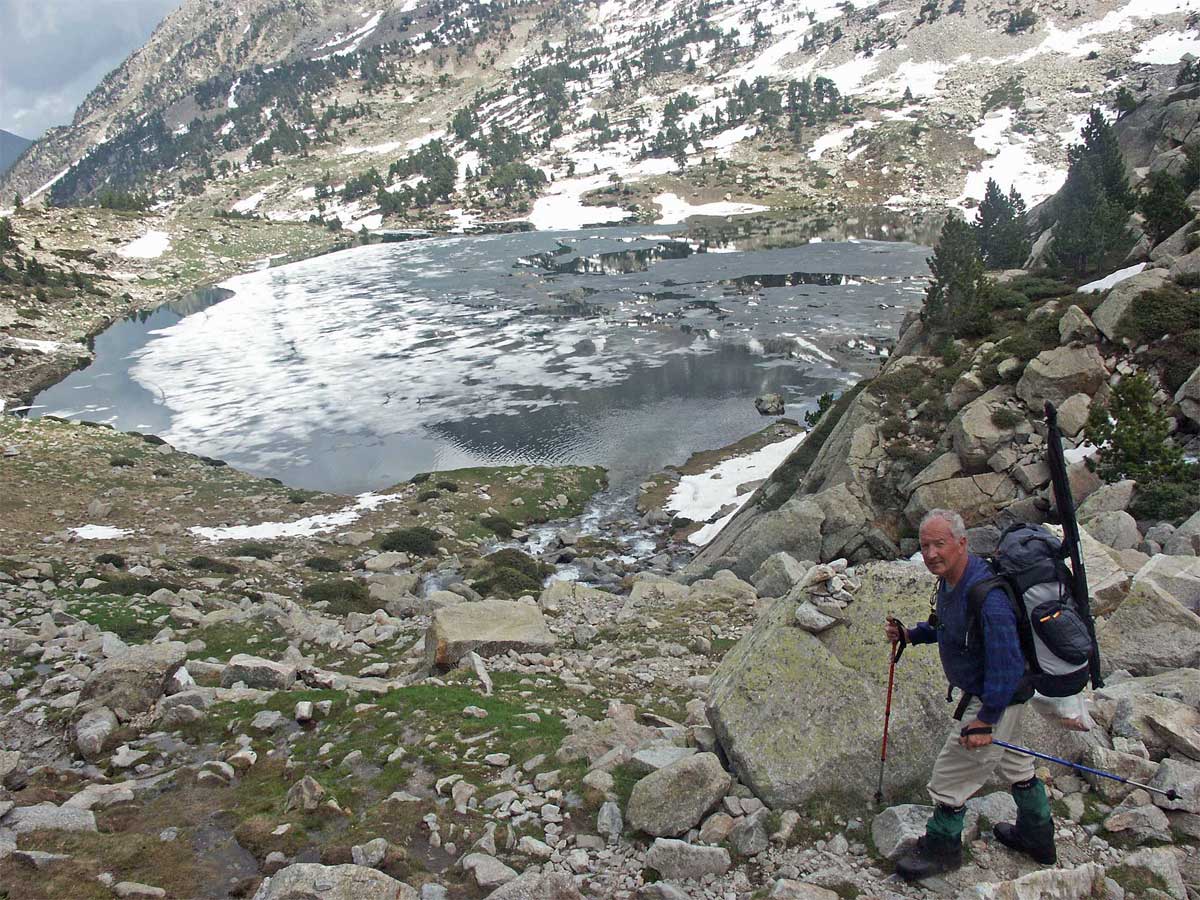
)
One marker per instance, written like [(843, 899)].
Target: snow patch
[(150, 245), (249, 204), (1103, 284), (306, 527), (1012, 163), (675, 209), (700, 496), (1168, 49), (100, 532)]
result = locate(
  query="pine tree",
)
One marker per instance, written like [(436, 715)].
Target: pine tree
[(1000, 228), (957, 300), (1100, 147), (1164, 204)]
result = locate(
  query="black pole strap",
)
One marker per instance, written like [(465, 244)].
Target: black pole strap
[(967, 731)]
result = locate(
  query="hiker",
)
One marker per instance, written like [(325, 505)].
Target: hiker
[(989, 675)]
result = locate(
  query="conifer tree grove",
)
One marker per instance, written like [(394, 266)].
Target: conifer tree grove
[(1164, 204), (1000, 228), (1095, 201)]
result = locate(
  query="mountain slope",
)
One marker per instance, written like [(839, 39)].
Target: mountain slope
[(639, 106), (11, 148)]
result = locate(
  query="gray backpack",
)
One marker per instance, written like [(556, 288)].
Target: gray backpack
[(1055, 638)]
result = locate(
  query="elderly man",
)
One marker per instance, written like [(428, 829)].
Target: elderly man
[(984, 662)]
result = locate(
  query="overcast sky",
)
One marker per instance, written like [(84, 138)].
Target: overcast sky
[(52, 52)]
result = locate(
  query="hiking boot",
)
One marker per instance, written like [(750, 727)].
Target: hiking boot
[(1033, 833), (931, 855), (1036, 841)]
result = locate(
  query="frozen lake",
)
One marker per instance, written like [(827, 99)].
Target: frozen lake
[(626, 347)]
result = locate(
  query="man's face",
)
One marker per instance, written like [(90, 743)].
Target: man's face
[(944, 555)]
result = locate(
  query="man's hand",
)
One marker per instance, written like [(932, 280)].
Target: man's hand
[(892, 630), (975, 741)]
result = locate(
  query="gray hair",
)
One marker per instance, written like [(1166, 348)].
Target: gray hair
[(958, 528)]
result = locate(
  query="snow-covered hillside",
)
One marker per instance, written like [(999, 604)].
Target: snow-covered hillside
[(457, 113)]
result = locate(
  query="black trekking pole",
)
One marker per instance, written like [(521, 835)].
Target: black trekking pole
[(1071, 540), (897, 649), (1170, 794)]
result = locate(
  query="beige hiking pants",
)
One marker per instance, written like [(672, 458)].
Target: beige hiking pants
[(958, 772)]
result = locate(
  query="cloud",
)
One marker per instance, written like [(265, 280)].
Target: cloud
[(56, 51)]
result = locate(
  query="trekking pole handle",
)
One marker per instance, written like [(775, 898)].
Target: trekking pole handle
[(1170, 793), (901, 642)]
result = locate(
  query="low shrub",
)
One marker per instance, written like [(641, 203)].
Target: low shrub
[(1169, 499), (1153, 314), (450, 487), (499, 526), (891, 427), (254, 549), (1175, 359), (1035, 287), (510, 573), (128, 585), (418, 540), (344, 596), (419, 478), (121, 462), (111, 559), (1006, 418), (208, 564), (426, 496), (323, 564)]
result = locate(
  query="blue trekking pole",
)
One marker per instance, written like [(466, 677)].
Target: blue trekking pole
[(1170, 794)]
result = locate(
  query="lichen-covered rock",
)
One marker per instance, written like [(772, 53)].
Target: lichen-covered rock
[(1177, 577), (134, 680), (312, 881), (94, 732), (1188, 396), (488, 628), (537, 886), (1076, 325), (675, 798), (778, 574), (1057, 374), (777, 701), (1079, 883)]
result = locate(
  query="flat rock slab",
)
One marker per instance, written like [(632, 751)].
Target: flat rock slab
[(256, 672), (48, 817), (680, 860), (489, 627), (311, 881)]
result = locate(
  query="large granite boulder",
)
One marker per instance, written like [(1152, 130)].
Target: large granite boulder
[(977, 498), (488, 628), (1060, 373), (794, 712), (778, 574), (256, 672), (1177, 577), (1076, 325), (534, 885), (973, 433), (1117, 529), (1114, 497), (1107, 317), (312, 881), (1188, 396), (668, 802), (1148, 633), (133, 681)]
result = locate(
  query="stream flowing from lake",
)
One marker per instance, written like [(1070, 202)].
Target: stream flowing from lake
[(625, 347)]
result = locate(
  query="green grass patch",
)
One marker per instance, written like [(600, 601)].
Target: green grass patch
[(133, 621), (225, 639)]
